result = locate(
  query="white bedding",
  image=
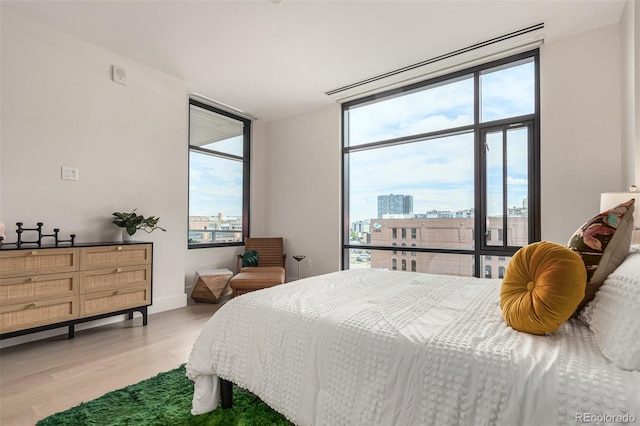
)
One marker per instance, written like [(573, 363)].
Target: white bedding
[(375, 347)]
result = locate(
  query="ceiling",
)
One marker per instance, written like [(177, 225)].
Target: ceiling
[(275, 60)]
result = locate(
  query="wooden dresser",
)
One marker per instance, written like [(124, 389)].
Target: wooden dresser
[(50, 287)]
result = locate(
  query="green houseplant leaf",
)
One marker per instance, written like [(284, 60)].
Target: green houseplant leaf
[(132, 222)]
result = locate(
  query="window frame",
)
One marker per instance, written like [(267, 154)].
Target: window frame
[(246, 172), (478, 128)]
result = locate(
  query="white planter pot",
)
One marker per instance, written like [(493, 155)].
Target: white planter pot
[(126, 236)]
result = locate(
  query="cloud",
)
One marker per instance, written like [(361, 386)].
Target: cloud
[(508, 92), (517, 181), (439, 173), (215, 186), (439, 107)]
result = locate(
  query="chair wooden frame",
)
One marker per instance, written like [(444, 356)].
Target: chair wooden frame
[(270, 251)]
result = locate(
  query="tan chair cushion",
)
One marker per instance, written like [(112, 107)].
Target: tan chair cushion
[(256, 278)]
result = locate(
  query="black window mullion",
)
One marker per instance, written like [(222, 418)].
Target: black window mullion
[(535, 226), (505, 207), (479, 177), (346, 222)]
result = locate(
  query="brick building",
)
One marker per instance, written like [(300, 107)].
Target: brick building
[(441, 233)]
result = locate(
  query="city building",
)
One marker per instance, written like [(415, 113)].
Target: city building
[(395, 204), (444, 231), (215, 229)]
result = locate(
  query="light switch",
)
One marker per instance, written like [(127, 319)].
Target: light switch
[(69, 173)]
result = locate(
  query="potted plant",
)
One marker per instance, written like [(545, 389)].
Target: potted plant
[(131, 222)]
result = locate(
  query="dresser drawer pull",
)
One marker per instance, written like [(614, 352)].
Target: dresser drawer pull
[(119, 270), (34, 252), (31, 305), (117, 292), (32, 279), (119, 248)]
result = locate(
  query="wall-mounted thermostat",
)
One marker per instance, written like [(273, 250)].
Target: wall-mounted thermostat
[(118, 75)]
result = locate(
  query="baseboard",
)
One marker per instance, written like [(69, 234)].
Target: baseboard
[(161, 304)]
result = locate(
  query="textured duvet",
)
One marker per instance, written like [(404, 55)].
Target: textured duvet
[(375, 347)]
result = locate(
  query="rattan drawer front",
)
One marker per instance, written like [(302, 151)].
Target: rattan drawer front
[(105, 279), (18, 263), (35, 314), (38, 287), (114, 300), (115, 256)]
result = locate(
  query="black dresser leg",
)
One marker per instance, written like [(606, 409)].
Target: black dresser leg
[(144, 315)]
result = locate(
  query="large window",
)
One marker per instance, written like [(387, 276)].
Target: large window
[(218, 176), (455, 160)]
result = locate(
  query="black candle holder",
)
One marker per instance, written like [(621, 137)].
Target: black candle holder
[(20, 241)]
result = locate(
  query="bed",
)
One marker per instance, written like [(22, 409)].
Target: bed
[(379, 347)]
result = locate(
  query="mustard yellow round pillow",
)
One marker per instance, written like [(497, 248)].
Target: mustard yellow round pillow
[(542, 287)]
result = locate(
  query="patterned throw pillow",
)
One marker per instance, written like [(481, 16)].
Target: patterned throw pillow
[(250, 258), (603, 243)]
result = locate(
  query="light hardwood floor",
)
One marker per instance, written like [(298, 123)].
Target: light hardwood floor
[(51, 375)]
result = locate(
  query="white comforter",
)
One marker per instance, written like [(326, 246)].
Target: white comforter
[(375, 347)]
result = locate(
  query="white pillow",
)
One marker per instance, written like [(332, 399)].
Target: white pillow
[(613, 314)]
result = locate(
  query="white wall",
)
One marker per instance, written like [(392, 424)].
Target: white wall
[(59, 107), (630, 50), (303, 160), (580, 137)]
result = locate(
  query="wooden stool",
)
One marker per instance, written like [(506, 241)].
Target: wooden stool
[(211, 285)]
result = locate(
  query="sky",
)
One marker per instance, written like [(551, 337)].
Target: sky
[(215, 186), (438, 173)]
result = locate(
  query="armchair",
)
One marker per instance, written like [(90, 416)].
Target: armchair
[(270, 270)]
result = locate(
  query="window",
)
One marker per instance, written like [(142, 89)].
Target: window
[(404, 264), (394, 264), (462, 152), (218, 177), (413, 266), (403, 250), (501, 270), (487, 271)]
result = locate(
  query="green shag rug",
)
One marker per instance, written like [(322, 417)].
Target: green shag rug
[(164, 400)]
